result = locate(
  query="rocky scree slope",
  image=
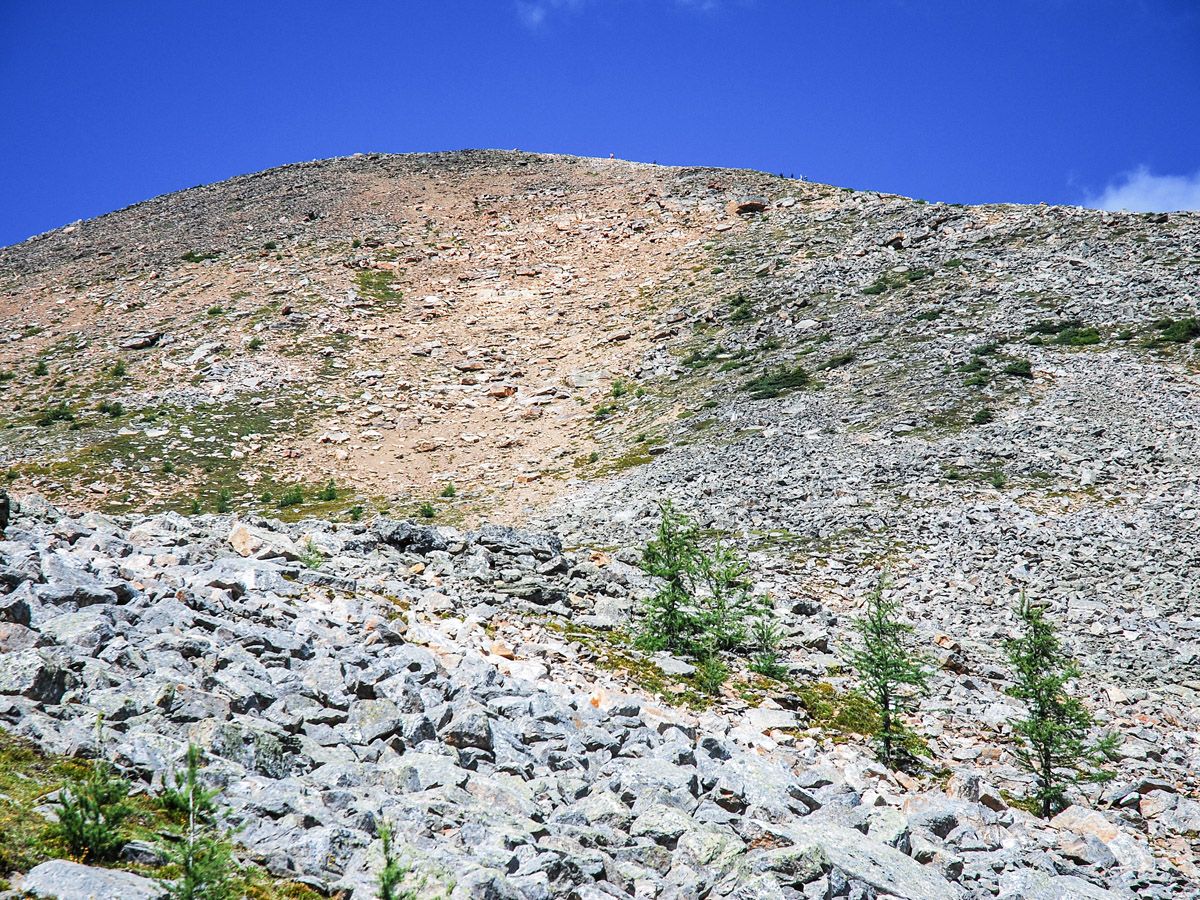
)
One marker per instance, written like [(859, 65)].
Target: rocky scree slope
[(981, 399), (426, 677)]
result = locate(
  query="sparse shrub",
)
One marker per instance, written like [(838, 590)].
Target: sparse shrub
[(1078, 337), (270, 245), (619, 389), (775, 384), (427, 510), (194, 256), (603, 411), (196, 508), (355, 244), (223, 498), (254, 343), (7, 375), (998, 480), (168, 467), (41, 368), (594, 456), (449, 491), (215, 310), (310, 555), (987, 348), (740, 307), (92, 810), (837, 361), (1178, 331), (60, 412), (1050, 328), (983, 416), (1020, 368), (893, 280), (355, 513), (711, 674), (111, 408), (119, 369), (292, 496), (893, 674), (1052, 736), (929, 315), (265, 497), (328, 492)]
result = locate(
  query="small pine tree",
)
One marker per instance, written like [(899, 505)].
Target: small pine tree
[(189, 795), (669, 617), (1053, 736), (727, 602), (203, 853), (892, 674), (392, 873), (92, 810), (766, 640)]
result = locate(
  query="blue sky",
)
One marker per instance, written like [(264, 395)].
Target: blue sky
[(1063, 101)]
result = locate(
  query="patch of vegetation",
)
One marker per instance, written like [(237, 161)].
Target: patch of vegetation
[(449, 492), (378, 285), (328, 492), (894, 280), (91, 812), (1052, 328), (41, 368), (1176, 331), (929, 315), (777, 383), (427, 510), (983, 416), (740, 307), (1021, 368), (1078, 337), (292, 496), (846, 712), (60, 412), (215, 310), (111, 408), (619, 389), (311, 556), (254, 343), (837, 361), (197, 256)]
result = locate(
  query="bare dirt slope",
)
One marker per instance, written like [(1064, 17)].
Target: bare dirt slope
[(395, 323)]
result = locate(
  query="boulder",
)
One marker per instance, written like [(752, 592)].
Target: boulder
[(64, 880)]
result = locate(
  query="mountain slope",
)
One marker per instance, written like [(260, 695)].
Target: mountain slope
[(975, 400)]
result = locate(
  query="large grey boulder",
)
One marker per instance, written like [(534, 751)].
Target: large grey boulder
[(884, 868), (64, 880), (34, 674)]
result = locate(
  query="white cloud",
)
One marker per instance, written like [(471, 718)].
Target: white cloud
[(1143, 191)]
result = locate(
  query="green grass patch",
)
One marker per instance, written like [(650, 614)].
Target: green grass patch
[(378, 285), (777, 383)]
